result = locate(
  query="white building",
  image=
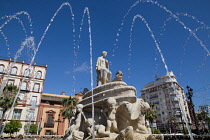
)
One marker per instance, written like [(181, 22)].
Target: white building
[(167, 95), (30, 82), (205, 108)]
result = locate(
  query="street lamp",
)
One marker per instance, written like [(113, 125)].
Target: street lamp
[(189, 95)]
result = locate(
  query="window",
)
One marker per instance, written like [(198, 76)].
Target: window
[(48, 132), (80, 98), (38, 74), (16, 114), (14, 70), (23, 86), (21, 96), (33, 100), (1, 68), (11, 82), (36, 87), (50, 119), (1, 113), (27, 72), (30, 116)]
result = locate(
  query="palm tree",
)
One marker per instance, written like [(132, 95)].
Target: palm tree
[(69, 105), (151, 115), (7, 100)]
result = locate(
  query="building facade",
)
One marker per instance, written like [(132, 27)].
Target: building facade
[(30, 81), (49, 119), (167, 96), (205, 108)]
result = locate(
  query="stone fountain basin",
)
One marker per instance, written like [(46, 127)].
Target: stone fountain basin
[(118, 90)]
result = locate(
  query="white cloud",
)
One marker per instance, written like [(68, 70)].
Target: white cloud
[(83, 68)]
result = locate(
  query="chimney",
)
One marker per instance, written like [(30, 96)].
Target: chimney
[(63, 93)]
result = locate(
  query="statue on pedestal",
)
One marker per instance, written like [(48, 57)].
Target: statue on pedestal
[(118, 114), (102, 68)]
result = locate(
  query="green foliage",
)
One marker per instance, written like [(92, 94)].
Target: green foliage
[(69, 105), (151, 114), (156, 131), (185, 131), (12, 126), (202, 116), (7, 99), (30, 128)]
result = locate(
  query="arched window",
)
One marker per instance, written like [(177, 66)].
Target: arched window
[(27, 72), (38, 74), (14, 70), (23, 86), (36, 87), (1, 68)]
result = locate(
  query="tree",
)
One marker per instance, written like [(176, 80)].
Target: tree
[(12, 126), (208, 122), (151, 115), (156, 131), (7, 100), (203, 117), (171, 119), (69, 105), (31, 128)]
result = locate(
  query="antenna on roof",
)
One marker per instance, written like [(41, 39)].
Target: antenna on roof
[(156, 77)]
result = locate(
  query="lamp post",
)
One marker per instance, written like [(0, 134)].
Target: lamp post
[(189, 95)]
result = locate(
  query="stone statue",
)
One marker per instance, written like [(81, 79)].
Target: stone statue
[(99, 129), (134, 114), (110, 112), (126, 134), (118, 114), (102, 69), (73, 132), (118, 76), (141, 122)]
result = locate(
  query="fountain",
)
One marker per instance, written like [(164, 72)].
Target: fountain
[(118, 113), (110, 97)]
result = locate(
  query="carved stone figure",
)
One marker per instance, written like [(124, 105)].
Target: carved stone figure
[(99, 129), (73, 132), (126, 134), (134, 114), (102, 69), (118, 113), (118, 76), (111, 115), (141, 126)]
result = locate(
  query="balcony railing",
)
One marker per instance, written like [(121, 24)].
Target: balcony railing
[(48, 125), (153, 97)]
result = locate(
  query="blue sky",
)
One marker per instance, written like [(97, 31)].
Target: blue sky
[(139, 60)]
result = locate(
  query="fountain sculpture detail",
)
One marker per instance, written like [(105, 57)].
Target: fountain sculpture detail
[(119, 114)]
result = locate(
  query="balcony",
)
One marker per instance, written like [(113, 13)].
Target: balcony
[(174, 99), (21, 102), (153, 97), (49, 125)]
